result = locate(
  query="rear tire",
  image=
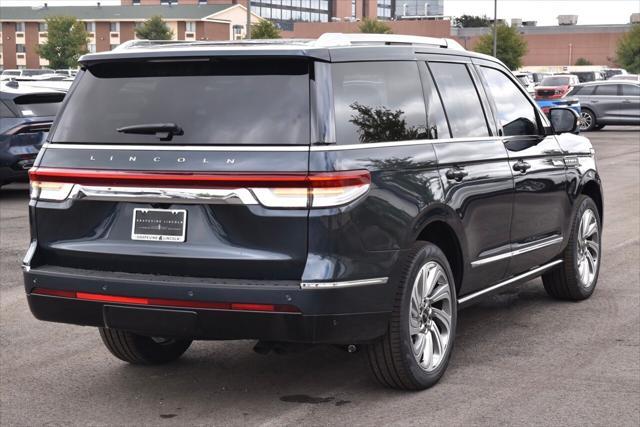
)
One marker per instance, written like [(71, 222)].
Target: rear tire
[(576, 278), (142, 350), (415, 351), (587, 120)]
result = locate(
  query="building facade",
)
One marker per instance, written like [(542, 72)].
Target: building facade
[(22, 29)]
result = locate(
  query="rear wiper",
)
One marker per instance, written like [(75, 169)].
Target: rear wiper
[(164, 131)]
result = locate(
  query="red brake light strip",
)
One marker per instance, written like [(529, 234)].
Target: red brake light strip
[(119, 299)]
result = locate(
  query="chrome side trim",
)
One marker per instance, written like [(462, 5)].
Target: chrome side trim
[(398, 143), (235, 196), (346, 284), (517, 252), (154, 147), (528, 274), (266, 148)]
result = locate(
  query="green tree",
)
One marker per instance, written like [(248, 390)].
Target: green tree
[(583, 61), (510, 49), (373, 26), (265, 29), (66, 41), (628, 50), (154, 28), (469, 21)]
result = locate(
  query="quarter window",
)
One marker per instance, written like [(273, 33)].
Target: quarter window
[(378, 102), (515, 113), (630, 90), (460, 99)]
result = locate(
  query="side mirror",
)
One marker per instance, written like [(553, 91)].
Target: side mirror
[(563, 120)]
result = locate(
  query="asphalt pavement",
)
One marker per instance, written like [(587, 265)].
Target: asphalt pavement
[(521, 358)]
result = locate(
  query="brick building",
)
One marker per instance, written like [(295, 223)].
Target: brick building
[(23, 28)]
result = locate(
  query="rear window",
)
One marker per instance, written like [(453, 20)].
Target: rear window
[(555, 81), (39, 104), (215, 101)]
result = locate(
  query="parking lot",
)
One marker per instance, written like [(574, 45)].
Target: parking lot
[(520, 356)]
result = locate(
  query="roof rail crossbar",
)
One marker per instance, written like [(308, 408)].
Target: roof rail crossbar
[(341, 39), (148, 43)]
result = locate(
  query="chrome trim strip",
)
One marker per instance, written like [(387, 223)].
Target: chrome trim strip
[(398, 143), (517, 252), (346, 284), (530, 273), (235, 196), (266, 148), (154, 147)]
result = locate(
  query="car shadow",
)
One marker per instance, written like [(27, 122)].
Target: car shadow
[(323, 375)]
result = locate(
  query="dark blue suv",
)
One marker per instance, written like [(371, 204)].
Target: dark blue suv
[(355, 189)]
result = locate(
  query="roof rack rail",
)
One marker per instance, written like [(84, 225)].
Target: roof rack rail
[(342, 39), (146, 43)]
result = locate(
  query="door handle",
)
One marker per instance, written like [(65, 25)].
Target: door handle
[(456, 174), (521, 166)]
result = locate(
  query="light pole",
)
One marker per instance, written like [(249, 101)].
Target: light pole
[(247, 30), (495, 27)]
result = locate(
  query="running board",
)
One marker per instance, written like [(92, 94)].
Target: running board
[(519, 278)]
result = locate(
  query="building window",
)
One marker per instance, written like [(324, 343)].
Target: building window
[(91, 47), (136, 2), (384, 9), (90, 26), (353, 9), (20, 48), (19, 27), (293, 10), (114, 27), (42, 27), (190, 27)]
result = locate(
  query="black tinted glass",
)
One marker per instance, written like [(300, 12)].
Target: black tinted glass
[(39, 104), (214, 101), (436, 119), (378, 102), (607, 90), (630, 90), (515, 113), (460, 99)]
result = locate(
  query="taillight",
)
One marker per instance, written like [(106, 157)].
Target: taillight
[(313, 190)]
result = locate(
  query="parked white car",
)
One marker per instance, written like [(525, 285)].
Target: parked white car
[(527, 82)]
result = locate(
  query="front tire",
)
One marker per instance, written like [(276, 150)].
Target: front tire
[(576, 278), (142, 350), (415, 351)]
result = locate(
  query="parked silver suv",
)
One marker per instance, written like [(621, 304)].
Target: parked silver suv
[(607, 103)]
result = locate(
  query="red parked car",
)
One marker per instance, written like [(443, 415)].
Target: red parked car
[(553, 87)]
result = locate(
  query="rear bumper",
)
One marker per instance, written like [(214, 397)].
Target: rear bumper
[(336, 316)]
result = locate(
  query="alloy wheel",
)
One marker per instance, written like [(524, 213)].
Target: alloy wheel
[(585, 120), (430, 316), (588, 248)]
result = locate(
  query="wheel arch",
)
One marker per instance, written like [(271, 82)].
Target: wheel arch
[(593, 190), (445, 233)]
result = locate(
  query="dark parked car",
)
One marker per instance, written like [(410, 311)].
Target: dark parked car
[(357, 189), (26, 114), (611, 102)]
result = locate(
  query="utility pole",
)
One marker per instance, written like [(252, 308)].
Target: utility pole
[(495, 28), (247, 30)]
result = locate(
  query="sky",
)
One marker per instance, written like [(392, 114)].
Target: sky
[(543, 11)]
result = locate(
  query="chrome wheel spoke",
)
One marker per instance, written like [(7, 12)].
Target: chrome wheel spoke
[(437, 339), (419, 345), (427, 354), (593, 248), (443, 317), (414, 326), (439, 294)]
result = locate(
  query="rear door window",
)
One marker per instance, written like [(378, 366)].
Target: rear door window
[(607, 90), (221, 101), (460, 98), (515, 113), (378, 102)]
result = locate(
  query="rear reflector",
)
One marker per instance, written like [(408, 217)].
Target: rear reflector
[(118, 299), (316, 189)]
